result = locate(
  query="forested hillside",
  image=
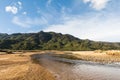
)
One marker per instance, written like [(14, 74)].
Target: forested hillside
[(51, 41)]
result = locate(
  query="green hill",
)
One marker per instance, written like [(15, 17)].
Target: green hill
[(51, 41)]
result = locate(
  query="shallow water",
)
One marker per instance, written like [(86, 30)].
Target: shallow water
[(97, 72), (65, 69)]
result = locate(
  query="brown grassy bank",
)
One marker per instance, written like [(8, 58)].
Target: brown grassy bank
[(95, 56), (20, 67)]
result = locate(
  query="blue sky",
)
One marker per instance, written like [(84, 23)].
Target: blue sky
[(86, 19)]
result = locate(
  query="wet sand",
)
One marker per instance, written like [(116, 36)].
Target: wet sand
[(66, 69)]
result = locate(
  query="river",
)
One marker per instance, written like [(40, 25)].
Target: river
[(66, 69)]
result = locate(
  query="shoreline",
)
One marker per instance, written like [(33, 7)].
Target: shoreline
[(67, 69)]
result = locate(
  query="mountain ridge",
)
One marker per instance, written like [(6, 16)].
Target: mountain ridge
[(51, 41)]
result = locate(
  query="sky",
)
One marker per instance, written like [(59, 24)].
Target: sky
[(97, 20)]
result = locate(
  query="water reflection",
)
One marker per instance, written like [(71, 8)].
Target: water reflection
[(97, 72)]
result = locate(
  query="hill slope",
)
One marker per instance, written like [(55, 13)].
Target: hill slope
[(50, 41)]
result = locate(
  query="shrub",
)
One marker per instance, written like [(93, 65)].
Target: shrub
[(98, 51)]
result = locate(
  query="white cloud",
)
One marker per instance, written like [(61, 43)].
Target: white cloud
[(97, 4), (18, 22), (29, 22), (14, 8), (20, 3), (24, 13), (48, 2), (11, 9), (94, 28)]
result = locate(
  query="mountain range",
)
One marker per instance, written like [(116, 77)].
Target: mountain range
[(51, 41)]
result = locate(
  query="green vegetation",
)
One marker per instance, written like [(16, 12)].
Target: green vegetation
[(51, 41)]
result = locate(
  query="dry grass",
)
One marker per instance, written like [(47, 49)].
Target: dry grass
[(113, 52), (36, 72), (95, 56), (13, 71), (98, 51), (20, 67)]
